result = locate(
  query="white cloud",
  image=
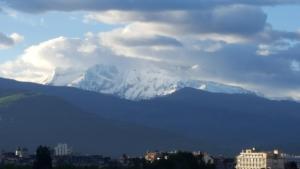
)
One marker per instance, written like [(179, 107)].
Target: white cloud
[(195, 67), (9, 41), (112, 17), (133, 41), (219, 20), (39, 62), (275, 47), (17, 38), (207, 30), (263, 50), (295, 66)]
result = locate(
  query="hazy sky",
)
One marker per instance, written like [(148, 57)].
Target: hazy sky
[(249, 43)]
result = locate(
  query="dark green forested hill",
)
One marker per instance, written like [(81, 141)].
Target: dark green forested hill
[(29, 119), (224, 123)]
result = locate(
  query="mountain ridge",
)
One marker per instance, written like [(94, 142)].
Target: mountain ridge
[(47, 120), (230, 121), (136, 84)]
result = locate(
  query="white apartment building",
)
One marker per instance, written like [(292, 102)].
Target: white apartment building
[(252, 159), (62, 150), (21, 152)]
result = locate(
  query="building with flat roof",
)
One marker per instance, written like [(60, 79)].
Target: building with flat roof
[(62, 150), (21, 152), (253, 159)]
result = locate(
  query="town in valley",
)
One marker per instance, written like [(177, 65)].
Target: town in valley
[(62, 156)]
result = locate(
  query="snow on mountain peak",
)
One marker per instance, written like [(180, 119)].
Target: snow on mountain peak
[(134, 83)]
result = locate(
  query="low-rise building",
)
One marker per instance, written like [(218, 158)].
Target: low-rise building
[(156, 155), (21, 152), (62, 150), (16, 159), (252, 159), (159, 155)]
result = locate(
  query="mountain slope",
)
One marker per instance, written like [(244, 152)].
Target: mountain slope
[(236, 121), (39, 119), (229, 121)]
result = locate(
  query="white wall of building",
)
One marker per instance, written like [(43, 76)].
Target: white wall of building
[(252, 159), (62, 150)]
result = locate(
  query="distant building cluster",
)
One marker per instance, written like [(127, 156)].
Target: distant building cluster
[(152, 156), (20, 157), (62, 154), (219, 162), (22, 152), (253, 159)]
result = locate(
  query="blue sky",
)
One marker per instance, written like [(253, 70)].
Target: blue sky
[(42, 27), (250, 44), (284, 17)]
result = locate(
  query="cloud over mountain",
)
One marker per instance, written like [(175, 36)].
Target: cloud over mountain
[(229, 41), (38, 62)]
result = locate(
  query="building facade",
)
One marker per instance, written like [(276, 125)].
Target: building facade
[(62, 150), (21, 152), (252, 159)]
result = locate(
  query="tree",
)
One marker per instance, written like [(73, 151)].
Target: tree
[(290, 165), (43, 158), (180, 160)]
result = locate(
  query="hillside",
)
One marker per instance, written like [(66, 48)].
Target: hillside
[(230, 121), (39, 119)]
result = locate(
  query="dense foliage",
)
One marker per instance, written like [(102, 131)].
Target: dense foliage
[(181, 160), (43, 158)]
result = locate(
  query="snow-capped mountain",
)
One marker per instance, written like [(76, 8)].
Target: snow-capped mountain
[(135, 84)]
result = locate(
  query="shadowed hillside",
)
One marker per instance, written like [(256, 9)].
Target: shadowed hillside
[(229, 121), (35, 119)]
